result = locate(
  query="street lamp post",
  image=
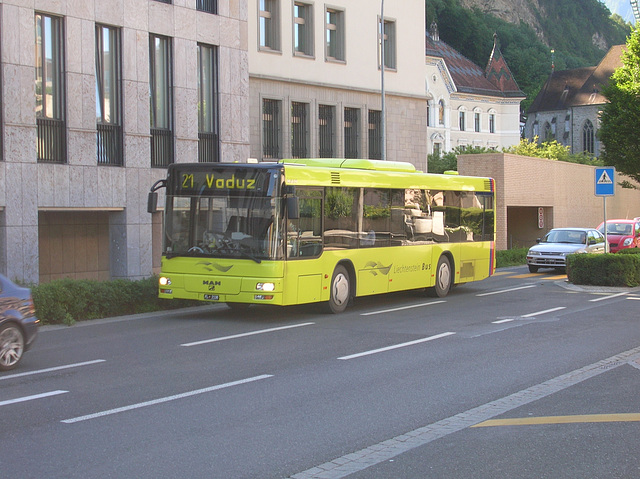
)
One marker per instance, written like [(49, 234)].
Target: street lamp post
[(384, 113)]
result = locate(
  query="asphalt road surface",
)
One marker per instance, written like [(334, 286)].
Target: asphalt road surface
[(517, 376)]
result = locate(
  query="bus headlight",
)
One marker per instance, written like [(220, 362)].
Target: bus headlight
[(265, 286), (164, 281)]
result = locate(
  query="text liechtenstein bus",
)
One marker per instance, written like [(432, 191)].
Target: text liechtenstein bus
[(320, 230)]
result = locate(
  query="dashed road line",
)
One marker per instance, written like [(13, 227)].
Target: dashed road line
[(243, 335), (164, 399), (508, 290), (400, 308), (397, 346), (48, 370), (31, 398)]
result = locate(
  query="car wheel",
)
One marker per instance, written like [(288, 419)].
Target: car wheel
[(533, 269), (340, 292), (11, 346), (443, 278)]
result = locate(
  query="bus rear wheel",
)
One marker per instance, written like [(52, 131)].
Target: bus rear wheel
[(443, 278), (340, 291)]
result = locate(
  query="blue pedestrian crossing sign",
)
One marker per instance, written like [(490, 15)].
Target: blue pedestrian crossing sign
[(605, 181)]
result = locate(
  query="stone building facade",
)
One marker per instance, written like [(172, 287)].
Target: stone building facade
[(567, 108), (83, 143)]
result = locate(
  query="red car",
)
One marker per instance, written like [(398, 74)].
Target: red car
[(622, 234)]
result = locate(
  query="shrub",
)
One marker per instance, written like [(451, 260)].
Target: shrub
[(66, 301), (604, 269), (511, 257)]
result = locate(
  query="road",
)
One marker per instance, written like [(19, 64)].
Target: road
[(517, 376)]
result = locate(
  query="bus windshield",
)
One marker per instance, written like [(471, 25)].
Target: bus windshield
[(223, 227), (223, 212)]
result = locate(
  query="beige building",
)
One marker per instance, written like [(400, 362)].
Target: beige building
[(97, 98), (315, 79), (534, 195)]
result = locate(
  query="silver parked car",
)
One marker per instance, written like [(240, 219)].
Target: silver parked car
[(551, 251)]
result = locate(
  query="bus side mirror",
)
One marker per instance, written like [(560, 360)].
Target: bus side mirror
[(293, 208), (152, 202)]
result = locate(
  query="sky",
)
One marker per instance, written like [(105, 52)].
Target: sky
[(622, 8)]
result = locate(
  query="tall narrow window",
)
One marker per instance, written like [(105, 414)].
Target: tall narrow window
[(108, 96), (375, 134), (161, 100), (208, 133), (588, 138), (351, 133), (50, 90), (271, 127), (476, 122), (462, 120), (269, 25), (302, 29), (327, 131), (299, 130), (209, 6), (334, 24), (492, 123), (441, 113), (389, 35)]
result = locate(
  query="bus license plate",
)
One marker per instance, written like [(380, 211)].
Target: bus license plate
[(212, 297)]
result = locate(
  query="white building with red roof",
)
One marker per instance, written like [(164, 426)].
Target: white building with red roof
[(469, 106)]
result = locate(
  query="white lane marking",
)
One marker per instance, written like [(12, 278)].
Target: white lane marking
[(544, 312), (611, 296), (242, 335), (637, 299), (507, 290), (57, 368), (164, 399), (396, 346), (500, 321), (401, 308), (31, 398)]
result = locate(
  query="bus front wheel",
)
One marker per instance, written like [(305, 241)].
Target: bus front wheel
[(443, 278), (340, 290)]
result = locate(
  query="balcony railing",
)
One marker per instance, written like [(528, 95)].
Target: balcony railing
[(208, 147), (209, 6), (52, 142), (161, 147), (109, 143)]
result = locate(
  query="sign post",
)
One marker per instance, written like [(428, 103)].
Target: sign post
[(604, 186)]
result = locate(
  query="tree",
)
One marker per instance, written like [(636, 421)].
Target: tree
[(621, 115)]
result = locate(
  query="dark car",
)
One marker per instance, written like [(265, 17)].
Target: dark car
[(622, 234), (18, 323), (552, 250)]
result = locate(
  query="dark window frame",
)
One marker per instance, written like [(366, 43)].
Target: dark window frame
[(208, 6), (51, 122), (109, 131), (161, 101), (208, 104)]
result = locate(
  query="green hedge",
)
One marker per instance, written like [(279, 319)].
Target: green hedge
[(605, 269), (511, 257), (66, 301)]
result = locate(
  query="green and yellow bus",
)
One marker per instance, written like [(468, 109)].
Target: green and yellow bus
[(320, 230)]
